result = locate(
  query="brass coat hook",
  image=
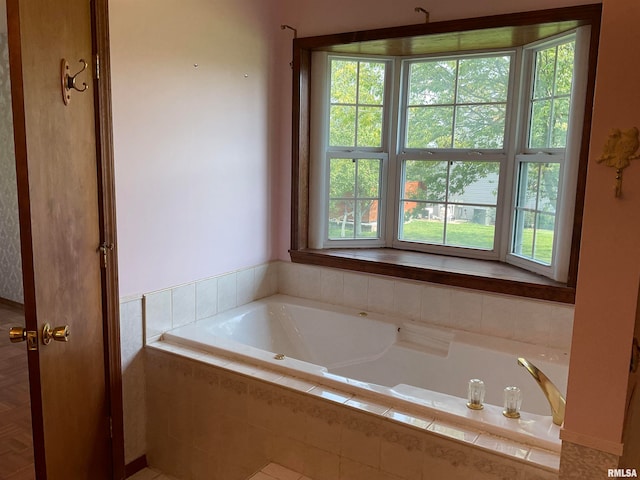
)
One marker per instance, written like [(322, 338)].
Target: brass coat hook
[(420, 9), (69, 81)]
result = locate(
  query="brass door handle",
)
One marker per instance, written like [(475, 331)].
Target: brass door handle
[(59, 334), (17, 334)]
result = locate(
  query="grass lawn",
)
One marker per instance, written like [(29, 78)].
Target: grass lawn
[(467, 234)]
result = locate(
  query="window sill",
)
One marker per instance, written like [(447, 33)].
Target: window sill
[(489, 276)]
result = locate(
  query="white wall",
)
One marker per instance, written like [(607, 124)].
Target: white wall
[(193, 154)]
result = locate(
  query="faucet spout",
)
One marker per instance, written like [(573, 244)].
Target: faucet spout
[(554, 397)]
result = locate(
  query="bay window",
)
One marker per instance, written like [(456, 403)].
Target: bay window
[(471, 153)]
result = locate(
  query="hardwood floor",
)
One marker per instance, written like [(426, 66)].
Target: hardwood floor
[(16, 447)]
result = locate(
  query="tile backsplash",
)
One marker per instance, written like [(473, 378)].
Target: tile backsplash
[(183, 304), (526, 320)]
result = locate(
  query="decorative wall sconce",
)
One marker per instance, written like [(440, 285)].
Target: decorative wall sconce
[(69, 81), (618, 152)]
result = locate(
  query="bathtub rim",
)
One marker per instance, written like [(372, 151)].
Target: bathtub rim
[(489, 420)]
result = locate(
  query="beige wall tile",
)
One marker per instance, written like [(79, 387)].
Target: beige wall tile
[(213, 420), (360, 439), (320, 464)]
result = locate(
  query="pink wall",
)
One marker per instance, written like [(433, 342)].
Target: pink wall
[(609, 272), (193, 146), (610, 258)]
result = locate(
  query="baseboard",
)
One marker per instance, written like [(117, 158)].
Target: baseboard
[(135, 466), (11, 304)]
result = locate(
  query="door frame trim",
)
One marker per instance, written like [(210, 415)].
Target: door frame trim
[(107, 206)]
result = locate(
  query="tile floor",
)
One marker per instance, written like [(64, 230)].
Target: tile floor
[(272, 471)]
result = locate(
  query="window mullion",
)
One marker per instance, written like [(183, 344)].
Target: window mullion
[(455, 107), (395, 142), (357, 112)]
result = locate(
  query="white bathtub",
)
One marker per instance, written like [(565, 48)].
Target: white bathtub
[(409, 364)]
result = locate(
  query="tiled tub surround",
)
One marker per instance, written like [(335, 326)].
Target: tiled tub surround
[(398, 364), (532, 321), (173, 307), (212, 418), (538, 322), (168, 308), (545, 324)]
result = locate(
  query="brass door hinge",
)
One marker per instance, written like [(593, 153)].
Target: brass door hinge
[(105, 248), (97, 67)]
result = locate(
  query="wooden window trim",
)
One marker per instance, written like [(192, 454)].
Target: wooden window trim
[(499, 31)]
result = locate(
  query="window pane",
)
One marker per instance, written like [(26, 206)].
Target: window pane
[(432, 83), (483, 80), (342, 126), (528, 186), (455, 200), (354, 197), (544, 73), (543, 245), (341, 214), (535, 211), (560, 122), (344, 81), (371, 90), (369, 172), (357, 97), (540, 120), (425, 180), (480, 126), (550, 104), (422, 222), (474, 182), (429, 127), (566, 54), (366, 219), (342, 178), (538, 186), (523, 237), (369, 126), (471, 226), (549, 181)]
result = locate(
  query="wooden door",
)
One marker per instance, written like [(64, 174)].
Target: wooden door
[(58, 193)]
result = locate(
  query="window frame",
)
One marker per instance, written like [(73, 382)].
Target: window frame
[(501, 30), (453, 154)]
